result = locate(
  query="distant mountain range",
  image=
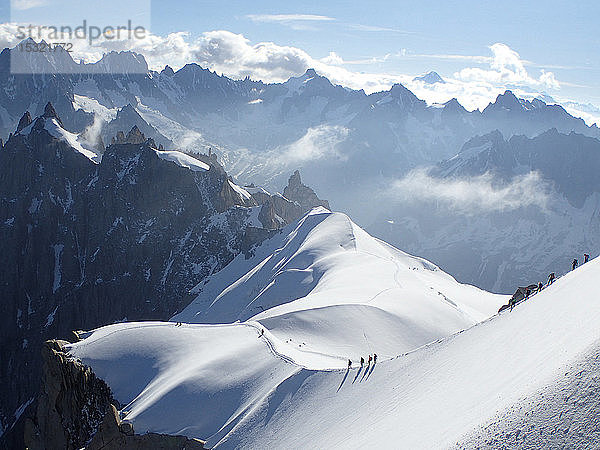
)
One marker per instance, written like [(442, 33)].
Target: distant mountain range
[(263, 132), (122, 196)]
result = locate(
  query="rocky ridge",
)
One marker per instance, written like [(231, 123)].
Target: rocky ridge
[(90, 239)]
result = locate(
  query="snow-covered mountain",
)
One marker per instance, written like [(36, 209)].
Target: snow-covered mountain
[(430, 78), (263, 132), (512, 211), (326, 275), (100, 226), (322, 291), (90, 238), (280, 380)]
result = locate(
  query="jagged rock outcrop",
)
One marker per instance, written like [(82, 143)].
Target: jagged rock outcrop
[(302, 194), (71, 405), (85, 243), (75, 409), (127, 118), (278, 210), (228, 197), (24, 122)]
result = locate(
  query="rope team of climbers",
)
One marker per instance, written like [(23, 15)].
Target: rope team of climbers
[(523, 293)]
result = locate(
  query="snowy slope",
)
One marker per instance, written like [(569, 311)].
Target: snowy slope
[(223, 383), (183, 160), (432, 397), (326, 291), (52, 126), (192, 380)]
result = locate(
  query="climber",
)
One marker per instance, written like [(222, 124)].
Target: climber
[(349, 363), (362, 361), (586, 258), (551, 278), (540, 286), (374, 358), (369, 361), (575, 263)]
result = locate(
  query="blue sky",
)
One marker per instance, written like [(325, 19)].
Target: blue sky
[(547, 46), (563, 37)]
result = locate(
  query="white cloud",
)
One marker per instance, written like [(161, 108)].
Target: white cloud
[(507, 68), (333, 59), (289, 18), (361, 27), (319, 142), (475, 194), (304, 22), (234, 55), (23, 5)]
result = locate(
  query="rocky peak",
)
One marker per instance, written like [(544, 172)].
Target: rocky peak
[(24, 122), (76, 409), (454, 106), (135, 136), (295, 181), (508, 100), (430, 78), (50, 113), (302, 194), (124, 62), (310, 73), (168, 71), (404, 96)]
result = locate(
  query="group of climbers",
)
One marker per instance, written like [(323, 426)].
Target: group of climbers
[(362, 361), (523, 293), (575, 263)]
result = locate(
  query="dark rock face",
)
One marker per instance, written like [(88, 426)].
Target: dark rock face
[(127, 118), (86, 244), (71, 405), (297, 199), (302, 194), (24, 122), (75, 409)]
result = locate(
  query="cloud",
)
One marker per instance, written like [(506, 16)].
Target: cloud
[(319, 142), (304, 22), (361, 27), (233, 54), (286, 18), (472, 195), (507, 68), (236, 56), (449, 57), (23, 5)]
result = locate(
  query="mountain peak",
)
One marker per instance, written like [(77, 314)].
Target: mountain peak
[(295, 180), (168, 70), (24, 122), (122, 62), (399, 91), (430, 78), (302, 194), (310, 73), (454, 105), (50, 113), (508, 99), (135, 136)]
